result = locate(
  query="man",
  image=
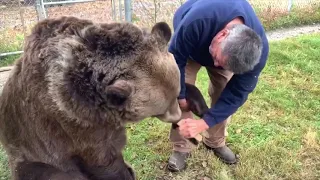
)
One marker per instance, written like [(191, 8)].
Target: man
[(227, 38)]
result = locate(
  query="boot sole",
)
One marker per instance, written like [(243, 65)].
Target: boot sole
[(235, 161), (173, 169)]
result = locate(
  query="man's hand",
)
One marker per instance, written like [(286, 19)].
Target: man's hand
[(183, 104), (190, 128)]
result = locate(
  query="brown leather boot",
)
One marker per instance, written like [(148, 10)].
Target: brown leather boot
[(177, 161), (224, 153)]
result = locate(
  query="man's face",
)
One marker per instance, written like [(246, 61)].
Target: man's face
[(216, 51)]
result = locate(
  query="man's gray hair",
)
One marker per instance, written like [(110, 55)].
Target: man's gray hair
[(243, 48)]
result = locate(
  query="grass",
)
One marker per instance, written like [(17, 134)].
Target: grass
[(10, 41), (275, 19), (274, 14), (276, 132)]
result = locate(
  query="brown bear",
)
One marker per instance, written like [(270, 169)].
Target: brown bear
[(68, 98)]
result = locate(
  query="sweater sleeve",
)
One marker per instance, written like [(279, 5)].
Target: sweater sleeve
[(183, 43), (235, 93)]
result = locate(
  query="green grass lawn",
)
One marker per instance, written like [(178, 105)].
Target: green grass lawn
[(276, 132), (10, 41)]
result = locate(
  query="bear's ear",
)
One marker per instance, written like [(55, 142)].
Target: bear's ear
[(162, 32), (195, 100), (118, 93)]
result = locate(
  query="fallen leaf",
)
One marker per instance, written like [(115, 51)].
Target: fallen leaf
[(204, 164), (238, 131)]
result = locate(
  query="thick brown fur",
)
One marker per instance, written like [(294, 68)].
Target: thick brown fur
[(65, 105)]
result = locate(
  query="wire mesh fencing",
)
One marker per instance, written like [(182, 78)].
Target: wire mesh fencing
[(15, 17), (271, 10), (18, 16), (148, 12), (96, 10)]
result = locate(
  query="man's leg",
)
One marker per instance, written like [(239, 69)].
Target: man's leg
[(181, 146), (215, 136)]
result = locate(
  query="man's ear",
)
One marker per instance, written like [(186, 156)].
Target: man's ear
[(223, 34), (118, 93)]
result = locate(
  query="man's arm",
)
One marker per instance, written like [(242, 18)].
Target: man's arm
[(183, 43), (235, 93)]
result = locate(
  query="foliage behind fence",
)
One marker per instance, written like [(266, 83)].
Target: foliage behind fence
[(18, 16)]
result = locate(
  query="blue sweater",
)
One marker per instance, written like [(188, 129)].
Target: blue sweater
[(195, 23)]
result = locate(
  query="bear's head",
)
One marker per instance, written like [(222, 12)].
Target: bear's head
[(115, 72)]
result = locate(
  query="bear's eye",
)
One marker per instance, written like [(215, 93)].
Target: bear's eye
[(101, 76), (88, 74), (82, 66)]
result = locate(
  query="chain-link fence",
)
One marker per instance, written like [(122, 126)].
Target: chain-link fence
[(147, 12), (18, 16), (15, 17)]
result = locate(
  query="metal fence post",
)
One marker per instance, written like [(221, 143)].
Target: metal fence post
[(120, 11), (127, 8), (290, 5), (39, 10), (113, 10)]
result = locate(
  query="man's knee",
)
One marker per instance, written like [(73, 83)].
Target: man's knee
[(191, 71), (218, 81)]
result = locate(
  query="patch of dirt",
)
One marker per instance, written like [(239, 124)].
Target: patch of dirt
[(143, 12), (291, 32), (98, 11), (10, 15), (4, 74)]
